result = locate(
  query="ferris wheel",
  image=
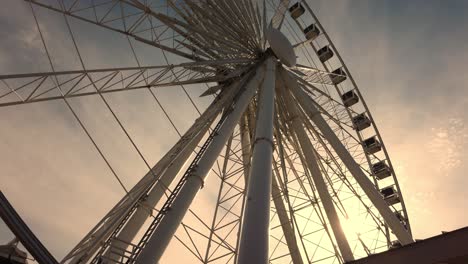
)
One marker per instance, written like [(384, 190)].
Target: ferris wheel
[(287, 145)]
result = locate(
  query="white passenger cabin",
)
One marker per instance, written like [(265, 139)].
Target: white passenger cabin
[(361, 122), (311, 32), (349, 98), (338, 76), (372, 145), (390, 195), (296, 10), (325, 53), (381, 170)]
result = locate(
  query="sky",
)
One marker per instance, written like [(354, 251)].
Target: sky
[(408, 58)]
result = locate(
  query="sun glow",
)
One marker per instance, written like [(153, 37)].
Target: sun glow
[(352, 227)]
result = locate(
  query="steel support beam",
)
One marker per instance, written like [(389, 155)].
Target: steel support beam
[(46, 86), (96, 238), (255, 233), (145, 209), (163, 234)]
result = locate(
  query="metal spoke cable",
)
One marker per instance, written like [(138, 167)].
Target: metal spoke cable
[(159, 103), (151, 91), (102, 96), (156, 99), (181, 86), (164, 185), (70, 107), (167, 116), (185, 91)]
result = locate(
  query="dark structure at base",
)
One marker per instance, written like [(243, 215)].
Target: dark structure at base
[(448, 248), (23, 233), (10, 254)]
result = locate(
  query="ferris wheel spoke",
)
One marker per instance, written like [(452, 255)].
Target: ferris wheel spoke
[(330, 161), (246, 13), (227, 215), (194, 42), (224, 10), (132, 20), (254, 13), (233, 44), (240, 29), (138, 203), (344, 128), (145, 207), (216, 25), (218, 30), (38, 87)]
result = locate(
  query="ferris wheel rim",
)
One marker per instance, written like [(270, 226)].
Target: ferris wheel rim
[(238, 61)]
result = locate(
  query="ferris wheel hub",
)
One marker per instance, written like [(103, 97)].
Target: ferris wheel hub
[(281, 47)]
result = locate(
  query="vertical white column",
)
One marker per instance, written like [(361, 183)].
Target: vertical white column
[(372, 193), (255, 233), (312, 165), (160, 239)]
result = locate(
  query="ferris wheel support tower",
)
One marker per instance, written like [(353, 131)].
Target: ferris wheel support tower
[(254, 242)]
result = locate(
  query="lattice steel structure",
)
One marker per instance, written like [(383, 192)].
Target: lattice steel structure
[(296, 154)]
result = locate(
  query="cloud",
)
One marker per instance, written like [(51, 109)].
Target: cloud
[(448, 144)]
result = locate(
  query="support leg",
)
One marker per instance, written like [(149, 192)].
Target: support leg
[(255, 231), (159, 240)]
